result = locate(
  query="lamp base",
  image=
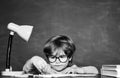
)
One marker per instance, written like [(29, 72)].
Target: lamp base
[(11, 73)]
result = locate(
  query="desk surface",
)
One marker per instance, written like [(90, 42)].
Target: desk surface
[(19, 74), (98, 76)]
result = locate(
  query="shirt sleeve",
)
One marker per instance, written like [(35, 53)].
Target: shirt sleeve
[(35, 64)]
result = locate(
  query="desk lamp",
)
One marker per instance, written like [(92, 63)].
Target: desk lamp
[(24, 31)]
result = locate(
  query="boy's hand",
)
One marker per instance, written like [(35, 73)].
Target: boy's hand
[(27, 67)]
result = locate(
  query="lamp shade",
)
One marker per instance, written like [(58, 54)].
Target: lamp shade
[(24, 31)]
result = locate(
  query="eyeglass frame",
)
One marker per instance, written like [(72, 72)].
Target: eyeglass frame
[(57, 58)]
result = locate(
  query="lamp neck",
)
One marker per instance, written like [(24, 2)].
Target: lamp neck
[(9, 47)]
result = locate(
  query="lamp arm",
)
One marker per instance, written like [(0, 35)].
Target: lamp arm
[(9, 47)]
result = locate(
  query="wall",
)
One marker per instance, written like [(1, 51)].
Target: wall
[(92, 24)]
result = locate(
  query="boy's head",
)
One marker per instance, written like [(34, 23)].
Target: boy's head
[(59, 51)]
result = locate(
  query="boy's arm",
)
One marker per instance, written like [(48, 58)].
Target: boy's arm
[(88, 69), (35, 62), (76, 70)]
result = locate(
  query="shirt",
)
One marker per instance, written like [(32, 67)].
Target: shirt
[(37, 65)]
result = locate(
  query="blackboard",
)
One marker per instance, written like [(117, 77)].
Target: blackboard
[(92, 24)]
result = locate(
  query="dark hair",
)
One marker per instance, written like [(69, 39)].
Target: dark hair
[(59, 42)]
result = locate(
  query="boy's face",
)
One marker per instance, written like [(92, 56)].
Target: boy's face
[(59, 60)]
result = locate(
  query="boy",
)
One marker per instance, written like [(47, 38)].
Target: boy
[(59, 51)]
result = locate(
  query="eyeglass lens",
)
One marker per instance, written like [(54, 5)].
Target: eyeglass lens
[(62, 58)]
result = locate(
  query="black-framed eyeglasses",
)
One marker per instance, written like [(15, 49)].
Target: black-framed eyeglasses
[(62, 58)]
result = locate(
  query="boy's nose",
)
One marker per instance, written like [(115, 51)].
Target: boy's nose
[(57, 61)]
